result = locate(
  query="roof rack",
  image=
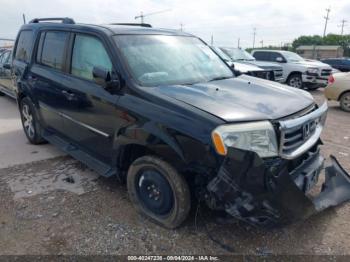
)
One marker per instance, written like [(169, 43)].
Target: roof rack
[(64, 20), (132, 24)]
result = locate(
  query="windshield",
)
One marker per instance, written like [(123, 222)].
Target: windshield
[(162, 60), (292, 57), (222, 54), (237, 54)]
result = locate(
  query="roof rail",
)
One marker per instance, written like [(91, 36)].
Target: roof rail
[(132, 24), (64, 20)]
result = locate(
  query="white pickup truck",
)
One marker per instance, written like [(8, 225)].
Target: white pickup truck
[(297, 71)]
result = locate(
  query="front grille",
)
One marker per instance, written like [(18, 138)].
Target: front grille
[(260, 74), (278, 73), (300, 134), (326, 72)]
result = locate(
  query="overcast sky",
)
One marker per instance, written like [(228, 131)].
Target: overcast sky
[(276, 21)]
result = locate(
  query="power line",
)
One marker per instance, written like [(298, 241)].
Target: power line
[(326, 22)]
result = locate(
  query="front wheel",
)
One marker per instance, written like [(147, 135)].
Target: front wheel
[(345, 102), (30, 122), (158, 191), (295, 80)]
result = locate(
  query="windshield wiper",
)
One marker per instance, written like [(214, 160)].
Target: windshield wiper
[(220, 78)]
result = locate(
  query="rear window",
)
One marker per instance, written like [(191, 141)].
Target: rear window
[(52, 53), (264, 56), (24, 46)]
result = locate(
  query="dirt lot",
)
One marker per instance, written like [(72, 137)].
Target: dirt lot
[(42, 212)]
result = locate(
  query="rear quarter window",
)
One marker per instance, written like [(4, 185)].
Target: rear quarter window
[(24, 46)]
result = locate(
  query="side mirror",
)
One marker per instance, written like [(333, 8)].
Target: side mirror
[(103, 77), (280, 60), (7, 66)]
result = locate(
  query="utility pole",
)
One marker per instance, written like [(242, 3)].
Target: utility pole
[(343, 22), (181, 26), (262, 43), (254, 34), (142, 15), (212, 40), (326, 22), (238, 42), (24, 18)]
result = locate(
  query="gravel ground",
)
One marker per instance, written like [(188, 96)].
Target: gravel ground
[(58, 206)]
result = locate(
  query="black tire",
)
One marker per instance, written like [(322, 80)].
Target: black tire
[(312, 88), (1, 93), (295, 80), (30, 123), (345, 101), (168, 205)]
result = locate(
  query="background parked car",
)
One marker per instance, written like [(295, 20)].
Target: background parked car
[(241, 68), (342, 64), (297, 72), (242, 56), (339, 89), (6, 83)]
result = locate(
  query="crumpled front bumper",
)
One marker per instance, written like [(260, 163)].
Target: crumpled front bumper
[(266, 195)]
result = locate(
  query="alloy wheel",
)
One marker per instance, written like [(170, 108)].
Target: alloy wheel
[(28, 121), (345, 102), (295, 82)]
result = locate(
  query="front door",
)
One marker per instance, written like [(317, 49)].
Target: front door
[(90, 115)]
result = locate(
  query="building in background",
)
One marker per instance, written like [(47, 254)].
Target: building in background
[(320, 51)]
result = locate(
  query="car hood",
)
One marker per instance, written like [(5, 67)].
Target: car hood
[(244, 68), (263, 64), (309, 63), (239, 99)]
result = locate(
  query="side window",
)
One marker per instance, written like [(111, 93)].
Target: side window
[(274, 56), (88, 52), (262, 56), (24, 46), (52, 54)]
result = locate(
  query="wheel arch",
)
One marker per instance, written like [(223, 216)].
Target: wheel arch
[(343, 93)]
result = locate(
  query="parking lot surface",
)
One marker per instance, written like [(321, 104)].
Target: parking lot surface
[(58, 206), (14, 147)]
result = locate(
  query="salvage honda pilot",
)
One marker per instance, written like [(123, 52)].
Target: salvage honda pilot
[(159, 109)]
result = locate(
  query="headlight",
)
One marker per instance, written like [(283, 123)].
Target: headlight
[(312, 71), (258, 137)]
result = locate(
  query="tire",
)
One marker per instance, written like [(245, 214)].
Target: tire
[(312, 88), (345, 101), (30, 123), (1, 93), (295, 80), (158, 191)]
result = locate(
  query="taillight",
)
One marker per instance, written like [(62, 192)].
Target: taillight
[(331, 79)]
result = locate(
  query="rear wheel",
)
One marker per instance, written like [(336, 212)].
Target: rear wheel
[(158, 191), (345, 102), (30, 122), (295, 80)]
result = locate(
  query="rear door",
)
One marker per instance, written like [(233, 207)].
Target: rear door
[(47, 76)]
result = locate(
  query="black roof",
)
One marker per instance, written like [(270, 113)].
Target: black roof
[(110, 29)]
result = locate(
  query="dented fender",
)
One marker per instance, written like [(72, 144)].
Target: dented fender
[(247, 189)]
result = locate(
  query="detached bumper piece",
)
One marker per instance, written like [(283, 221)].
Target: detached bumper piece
[(265, 195)]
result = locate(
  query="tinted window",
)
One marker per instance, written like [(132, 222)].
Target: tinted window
[(274, 56), (264, 56), (346, 62), (88, 52), (24, 46), (52, 54)]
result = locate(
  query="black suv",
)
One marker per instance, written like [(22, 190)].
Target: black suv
[(159, 109), (342, 64)]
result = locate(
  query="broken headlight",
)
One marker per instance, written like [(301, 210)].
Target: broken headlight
[(258, 137)]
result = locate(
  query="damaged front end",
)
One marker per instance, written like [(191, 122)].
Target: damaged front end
[(276, 191), (256, 194)]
